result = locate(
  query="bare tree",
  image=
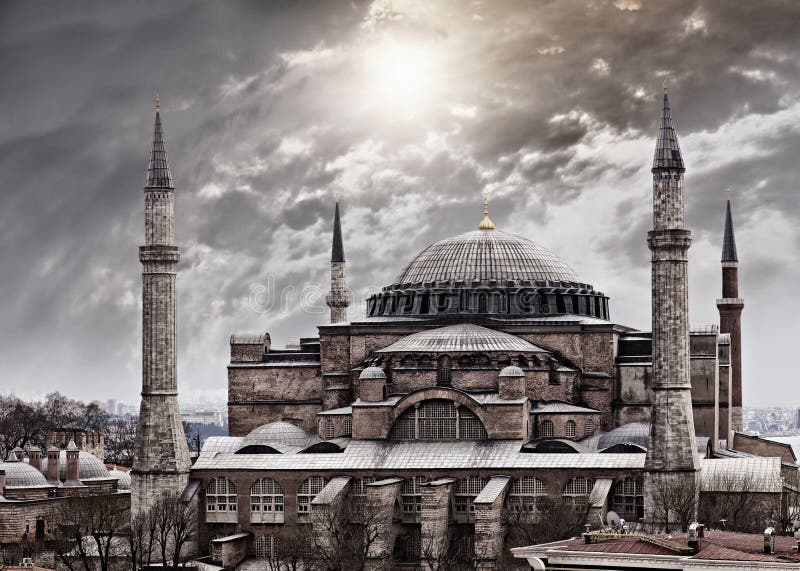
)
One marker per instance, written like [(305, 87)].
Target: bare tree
[(120, 441), (21, 424), (734, 497), (674, 504), (294, 551), (452, 551), (345, 533), (89, 538)]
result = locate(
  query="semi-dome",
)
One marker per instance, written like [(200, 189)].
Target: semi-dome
[(89, 466), (22, 474), (462, 338), (123, 479), (280, 433), (485, 255), (630, 433)]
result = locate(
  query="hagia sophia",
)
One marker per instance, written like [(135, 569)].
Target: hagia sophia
[(486, 377)]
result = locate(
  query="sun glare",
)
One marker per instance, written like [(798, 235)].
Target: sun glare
[(400, 74)]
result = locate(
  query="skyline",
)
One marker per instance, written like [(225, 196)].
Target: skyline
[(263, 128)]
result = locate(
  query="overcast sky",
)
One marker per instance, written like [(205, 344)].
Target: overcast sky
[(410, 110)]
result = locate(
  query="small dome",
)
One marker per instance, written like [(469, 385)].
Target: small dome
[(22, 474), (277, 433), (463, 338), (630, 433), (123, 479), (372, 373), (512, 371), (89, 466)]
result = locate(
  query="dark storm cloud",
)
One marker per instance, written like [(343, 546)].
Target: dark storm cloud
[(270, 108)]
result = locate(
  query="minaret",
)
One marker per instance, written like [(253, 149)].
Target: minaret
[(730, 321), (338, 299), (671, 462), (161, 464)]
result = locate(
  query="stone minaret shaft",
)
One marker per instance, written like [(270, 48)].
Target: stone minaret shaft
[(671, 460), (161, 464), (339, 298), (730, 321)]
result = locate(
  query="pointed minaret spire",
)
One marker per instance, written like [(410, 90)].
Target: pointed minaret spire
[(671, 462), (158, 173), (337, 249), (668, 152), (161, 462), (339, 298), (730, 307), (729, 240)]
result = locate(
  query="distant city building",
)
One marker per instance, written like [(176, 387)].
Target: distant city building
[(204, 417)]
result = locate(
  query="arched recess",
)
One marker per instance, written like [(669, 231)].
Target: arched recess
[(432, 393), (438, 420)]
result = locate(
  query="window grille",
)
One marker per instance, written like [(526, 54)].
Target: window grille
[(467, 490), (266, 496), (411, 495), (578, 489), (267, 547), (524, 494), (330, 432), (444, 376), (414, 545), (546, 430), (589, 428), (628, 498), (221, 495), (503, 303), (470, 426), (360, 486), (404, 427), (570, 429), (482, 303), (347, 426), (437, 420), (308, 490)]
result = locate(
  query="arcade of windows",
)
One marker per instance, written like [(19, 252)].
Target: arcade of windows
[(438, 420), (577, 490), (466, 491), (267, 547), (266, 501), (525, 493), (411, 495), (308, 490), (221, 500), (628, 499)]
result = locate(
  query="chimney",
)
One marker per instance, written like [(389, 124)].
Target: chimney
[(53, 459), (19, 453), (769, 535), (372, 384), (72, 461), (2, 482), (35, 457), (694, 534)]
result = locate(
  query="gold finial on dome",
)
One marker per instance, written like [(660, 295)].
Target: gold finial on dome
[(158, 103), (728, 192), (486, 224), (665, 86)]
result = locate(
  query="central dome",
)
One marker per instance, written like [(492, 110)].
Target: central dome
[(484, 255)]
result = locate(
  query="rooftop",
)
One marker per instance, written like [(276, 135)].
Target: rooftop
[(715, 545)]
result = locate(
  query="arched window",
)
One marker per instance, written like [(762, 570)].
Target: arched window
[(444, 372), (570, 429), (267, 547), (465, 361), (308, 490), (628, 499), (467, 490), (524, 494), (546, 429), (438, 419), (266, 501), (588, 428), (220, 500), (330, 432), (482, 302), (578, 489), (411, 495), (347, 426)]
